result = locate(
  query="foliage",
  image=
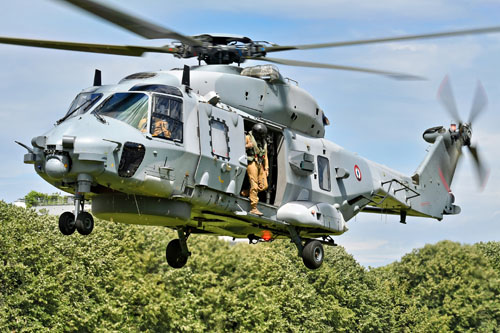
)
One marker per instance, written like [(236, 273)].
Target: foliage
[(35, 198), (116, 279), (444, 287), (492, 251)]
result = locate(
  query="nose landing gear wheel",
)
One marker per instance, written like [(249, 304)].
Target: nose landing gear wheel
[(175, 256), (312, 254), (67, 223), (84, 223)]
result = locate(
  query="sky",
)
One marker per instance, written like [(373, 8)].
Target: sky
[(379, 118)]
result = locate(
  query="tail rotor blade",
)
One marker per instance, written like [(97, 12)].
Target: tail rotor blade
[(445, 96), (479, 103), (481, 169)]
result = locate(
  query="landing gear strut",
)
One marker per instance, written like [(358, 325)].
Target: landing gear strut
[(312, 251), (177, 251), (84, 222)]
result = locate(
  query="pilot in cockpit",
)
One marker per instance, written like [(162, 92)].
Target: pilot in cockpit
[(160, 128)]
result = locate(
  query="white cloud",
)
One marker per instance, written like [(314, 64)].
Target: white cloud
[(376, 260), (372, 244), (429, 59)]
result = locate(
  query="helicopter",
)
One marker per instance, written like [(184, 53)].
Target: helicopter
[(191, 179)]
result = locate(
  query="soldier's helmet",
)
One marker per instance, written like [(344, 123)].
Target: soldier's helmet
[(259, 130)]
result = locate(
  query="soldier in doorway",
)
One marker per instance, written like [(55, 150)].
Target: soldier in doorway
[(258, 165)]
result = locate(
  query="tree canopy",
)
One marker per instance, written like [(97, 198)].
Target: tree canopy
[(117, 279), (34, 198)]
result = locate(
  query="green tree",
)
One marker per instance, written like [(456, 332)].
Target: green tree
[(117, 279), (34, 198), (492, 251), (443, 287)]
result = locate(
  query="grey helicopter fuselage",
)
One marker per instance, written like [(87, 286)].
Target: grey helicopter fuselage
[(193, 178)]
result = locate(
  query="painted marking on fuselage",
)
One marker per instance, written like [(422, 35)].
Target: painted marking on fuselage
[(357, 172), (444, 180), (221, 180)]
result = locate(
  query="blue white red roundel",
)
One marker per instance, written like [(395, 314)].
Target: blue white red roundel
[(357, 172)]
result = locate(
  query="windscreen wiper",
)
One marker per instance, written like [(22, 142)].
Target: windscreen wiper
[(99, 117), (88, 102)]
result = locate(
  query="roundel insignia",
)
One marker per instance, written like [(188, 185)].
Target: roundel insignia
[(357, 172)]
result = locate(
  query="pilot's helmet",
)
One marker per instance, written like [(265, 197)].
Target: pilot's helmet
[(259, 130)]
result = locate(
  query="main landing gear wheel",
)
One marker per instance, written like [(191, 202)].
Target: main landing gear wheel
[(84, 223), (313, 254), (67, 223), (176, 258)]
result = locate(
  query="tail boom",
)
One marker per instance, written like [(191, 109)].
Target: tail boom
[(427, 193)]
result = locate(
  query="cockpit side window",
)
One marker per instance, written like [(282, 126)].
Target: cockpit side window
[(166, 118)]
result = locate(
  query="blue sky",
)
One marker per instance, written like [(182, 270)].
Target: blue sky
[(381, 119)]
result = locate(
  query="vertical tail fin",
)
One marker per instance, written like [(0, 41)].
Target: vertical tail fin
[(435, 173)]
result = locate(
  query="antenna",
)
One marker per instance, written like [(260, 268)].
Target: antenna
[(97, 78), (186, 81)]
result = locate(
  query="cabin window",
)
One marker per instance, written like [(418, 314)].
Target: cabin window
[(220, 138), (324, 173), (166, 118), (131, 108)]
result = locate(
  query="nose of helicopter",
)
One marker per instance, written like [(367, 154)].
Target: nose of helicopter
[(85, 145)]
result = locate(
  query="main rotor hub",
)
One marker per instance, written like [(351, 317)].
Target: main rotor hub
[(222, 49), (466, 133)]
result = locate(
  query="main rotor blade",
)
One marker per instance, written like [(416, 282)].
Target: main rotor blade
[(392, 75), (486, 30), (482, 171), (479, 103), (445, 96), (126, 50), (136, 25)]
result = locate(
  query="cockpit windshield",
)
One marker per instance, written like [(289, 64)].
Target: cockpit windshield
[(81, 103), (130, 107)]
